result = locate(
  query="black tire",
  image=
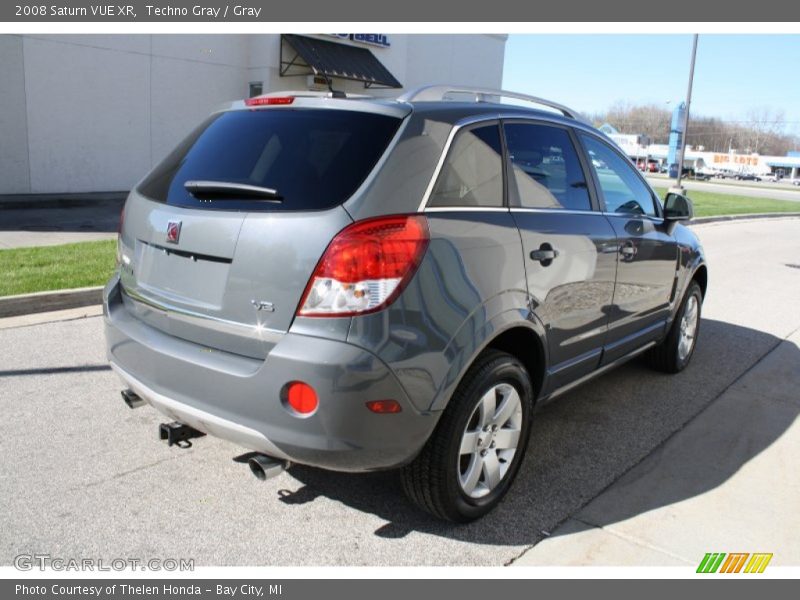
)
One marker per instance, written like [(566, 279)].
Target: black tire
[(432, 480), (665, 357)]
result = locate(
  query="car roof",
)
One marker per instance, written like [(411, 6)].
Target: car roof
[(427, 101)]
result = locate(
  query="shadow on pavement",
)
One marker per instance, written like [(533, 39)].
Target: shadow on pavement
[(81, 213), (583, 442)]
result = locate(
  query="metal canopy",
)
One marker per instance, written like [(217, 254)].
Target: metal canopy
[(301, 55)]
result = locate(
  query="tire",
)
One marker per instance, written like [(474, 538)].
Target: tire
[(669, 356), (438, 479)]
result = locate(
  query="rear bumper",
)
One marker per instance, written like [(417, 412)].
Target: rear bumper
[(239, 398)]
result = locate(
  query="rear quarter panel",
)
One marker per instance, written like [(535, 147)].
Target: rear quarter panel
[(470, 283)]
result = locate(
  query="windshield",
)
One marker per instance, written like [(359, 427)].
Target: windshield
[(313, 158)]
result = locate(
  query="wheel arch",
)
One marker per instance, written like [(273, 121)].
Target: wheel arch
[(508, 332)]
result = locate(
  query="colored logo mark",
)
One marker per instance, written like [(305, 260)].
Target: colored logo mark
[(734, 562)]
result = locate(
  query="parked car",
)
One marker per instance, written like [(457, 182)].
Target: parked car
[(748, 177), (362, 284), (795, 181)]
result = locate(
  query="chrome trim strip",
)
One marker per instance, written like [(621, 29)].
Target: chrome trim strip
[(560, 211), (207, 321), (467, 209)]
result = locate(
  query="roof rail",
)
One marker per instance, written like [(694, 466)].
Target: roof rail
[(436, 93)]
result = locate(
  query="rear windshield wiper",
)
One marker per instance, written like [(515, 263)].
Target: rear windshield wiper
[(227, 190)]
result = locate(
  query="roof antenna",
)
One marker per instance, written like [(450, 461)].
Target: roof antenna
[(334, 93)]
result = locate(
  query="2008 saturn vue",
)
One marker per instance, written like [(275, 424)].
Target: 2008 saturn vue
[(360, 284)]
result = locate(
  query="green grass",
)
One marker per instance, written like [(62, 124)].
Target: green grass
[(708, 204), (26, 270)]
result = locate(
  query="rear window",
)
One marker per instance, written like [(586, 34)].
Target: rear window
[(313, 158)]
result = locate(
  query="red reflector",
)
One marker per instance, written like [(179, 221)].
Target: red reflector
[(301, 397), (269, 100), (384, 406)]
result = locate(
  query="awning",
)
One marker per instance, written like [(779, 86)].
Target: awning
[(785, 164), (301, 55)]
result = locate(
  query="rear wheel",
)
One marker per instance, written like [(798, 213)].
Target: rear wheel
[(675, 352), (469, 462)]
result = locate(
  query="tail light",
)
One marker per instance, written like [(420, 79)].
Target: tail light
[(366, 266)]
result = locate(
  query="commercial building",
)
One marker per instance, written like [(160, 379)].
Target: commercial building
[(639, 149), (93, 113)]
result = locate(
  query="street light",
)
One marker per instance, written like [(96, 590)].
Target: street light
[(678, 187)]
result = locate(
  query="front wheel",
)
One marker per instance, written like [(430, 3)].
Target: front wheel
[(468, 464), (675, 352)]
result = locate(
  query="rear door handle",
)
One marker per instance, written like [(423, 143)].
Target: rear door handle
[(545, 255)]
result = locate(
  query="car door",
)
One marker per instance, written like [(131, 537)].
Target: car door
[(647, 254), (568, 245)]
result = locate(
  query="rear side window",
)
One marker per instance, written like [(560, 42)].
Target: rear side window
[(472, 174), (314, 158), (546, 167)]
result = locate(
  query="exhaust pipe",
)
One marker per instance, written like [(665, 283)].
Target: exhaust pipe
[(265, 467), (132, 399)]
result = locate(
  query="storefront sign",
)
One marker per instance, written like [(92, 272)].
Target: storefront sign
[(736, 159), (371, 39)]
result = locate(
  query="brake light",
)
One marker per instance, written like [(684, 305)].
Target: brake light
[(366, 266), (269, 100)]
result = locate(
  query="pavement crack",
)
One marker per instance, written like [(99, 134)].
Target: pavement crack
[(634, 540), (123, 474)]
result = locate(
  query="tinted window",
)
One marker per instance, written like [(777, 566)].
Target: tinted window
[(315, 159), (623, 190), (472, 174), (546, 167)]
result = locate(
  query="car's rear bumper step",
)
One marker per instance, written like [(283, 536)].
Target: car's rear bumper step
[(178, 433)]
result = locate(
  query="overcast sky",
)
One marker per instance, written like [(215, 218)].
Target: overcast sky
[(734, 73)]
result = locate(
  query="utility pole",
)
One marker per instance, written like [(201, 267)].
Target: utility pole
[(678, 187)]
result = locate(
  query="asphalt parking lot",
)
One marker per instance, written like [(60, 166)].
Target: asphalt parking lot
[(84, 476)]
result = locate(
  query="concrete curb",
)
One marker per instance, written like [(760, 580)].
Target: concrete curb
[(746, 217), (12, 306)]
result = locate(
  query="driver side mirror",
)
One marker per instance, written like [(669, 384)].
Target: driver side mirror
[(677, 207)]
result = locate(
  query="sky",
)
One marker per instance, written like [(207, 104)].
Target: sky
[(733, 73)]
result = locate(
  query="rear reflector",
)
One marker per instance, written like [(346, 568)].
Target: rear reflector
[(301, 397), (366, 266), (271, 100), (385, 407)]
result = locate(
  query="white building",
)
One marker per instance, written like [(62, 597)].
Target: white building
[(89, 113), (711, 162)]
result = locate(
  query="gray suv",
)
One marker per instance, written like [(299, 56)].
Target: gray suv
[(360, 284)]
